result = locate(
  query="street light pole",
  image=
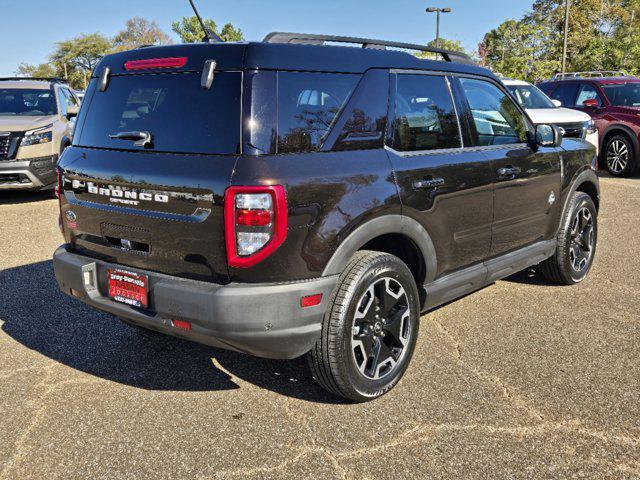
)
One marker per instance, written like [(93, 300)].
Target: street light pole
[(566, 34), (438, 11)]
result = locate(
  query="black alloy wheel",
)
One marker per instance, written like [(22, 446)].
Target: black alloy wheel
[(381, 328), (369, 330)]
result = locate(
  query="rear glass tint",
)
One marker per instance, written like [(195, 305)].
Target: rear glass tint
[(308, 104), (180, 115)]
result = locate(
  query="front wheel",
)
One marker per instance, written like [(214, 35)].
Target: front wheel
[(619, 156), (369, 330), (577, 241)]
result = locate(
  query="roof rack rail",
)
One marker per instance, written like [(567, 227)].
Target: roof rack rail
[(312, 39), (37, 79), (593, 74)]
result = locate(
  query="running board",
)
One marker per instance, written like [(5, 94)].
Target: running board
[(463, 282)]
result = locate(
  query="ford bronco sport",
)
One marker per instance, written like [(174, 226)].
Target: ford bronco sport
[(287, 197), (35, 127)]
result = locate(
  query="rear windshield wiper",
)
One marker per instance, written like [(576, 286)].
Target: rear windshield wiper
[(142, 139)]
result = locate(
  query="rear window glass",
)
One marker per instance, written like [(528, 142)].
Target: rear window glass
[(180, 115), (308, 104)]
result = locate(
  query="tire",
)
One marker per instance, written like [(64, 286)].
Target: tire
[(619, 156), (361, 321), (576, 234)]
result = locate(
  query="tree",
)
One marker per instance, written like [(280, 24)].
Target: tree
[(445, 44), (190, 31), (139, 32), (43, 70), (602, 35), (80, 55)]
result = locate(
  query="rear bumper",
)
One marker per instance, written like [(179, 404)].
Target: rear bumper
[(27, 174), (264, 320)]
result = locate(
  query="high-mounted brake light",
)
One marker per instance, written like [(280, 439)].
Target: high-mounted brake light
[(151, 63), (255, 223)]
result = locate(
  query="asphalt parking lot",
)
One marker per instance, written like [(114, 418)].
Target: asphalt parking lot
[(520, 380)]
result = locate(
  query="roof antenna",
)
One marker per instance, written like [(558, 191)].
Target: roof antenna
[(209, 36)]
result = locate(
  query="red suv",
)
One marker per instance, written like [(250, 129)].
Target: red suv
[(613, 101)]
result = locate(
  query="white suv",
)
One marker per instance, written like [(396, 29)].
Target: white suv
[(37, 119), (542, 109)]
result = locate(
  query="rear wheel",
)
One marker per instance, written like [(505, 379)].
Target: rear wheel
[(369, 330), (619, 156), (577, 241)]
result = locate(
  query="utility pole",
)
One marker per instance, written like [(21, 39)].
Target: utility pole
[(438, 11), (566, 33)]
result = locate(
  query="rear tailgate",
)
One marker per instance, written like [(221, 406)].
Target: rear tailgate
[(159, 212), (156, 206)]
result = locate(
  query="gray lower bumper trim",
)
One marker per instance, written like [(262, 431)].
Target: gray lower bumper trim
[(265, 320)]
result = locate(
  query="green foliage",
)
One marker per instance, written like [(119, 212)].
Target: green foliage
[(445, 44), (37, 71), (139, 32), (603, 35), (190, 31), (76, 58)]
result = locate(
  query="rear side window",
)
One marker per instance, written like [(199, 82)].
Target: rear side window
[(425, 115), (497, 119), (180, 115), (588, 92), (565, 93), (308, 105)]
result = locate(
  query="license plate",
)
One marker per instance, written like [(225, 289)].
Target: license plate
[(127, 287)]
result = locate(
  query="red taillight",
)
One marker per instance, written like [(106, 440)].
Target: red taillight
[(253, 218), (311, 300), (255, 221), (150, 63), (182, 324), (58, 188)]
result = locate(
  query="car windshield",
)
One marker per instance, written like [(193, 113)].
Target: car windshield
[(623, 94), (530, 97), (26, 102)]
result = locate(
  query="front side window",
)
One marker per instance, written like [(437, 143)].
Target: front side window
[(565, 93), (24, 102), (174, 109), (530, 96), (588, 92), (623, 94), (308, 105), (497, 119), (425, 115)]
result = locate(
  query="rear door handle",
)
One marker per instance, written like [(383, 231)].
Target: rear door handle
[(427, 183), (509, 171)]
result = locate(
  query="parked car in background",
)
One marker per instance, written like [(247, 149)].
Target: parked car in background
[(286, 197), (541, 109), (79, 95), (37, 117), (613, 101)]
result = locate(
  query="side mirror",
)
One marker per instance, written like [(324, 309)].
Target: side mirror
[(72, 111), (557, 103), (548, 136), (591, 103)]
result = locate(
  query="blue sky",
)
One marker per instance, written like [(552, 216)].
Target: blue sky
[(31, 28)]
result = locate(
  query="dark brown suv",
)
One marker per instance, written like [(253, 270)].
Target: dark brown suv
[(286, 198), (613, 101)]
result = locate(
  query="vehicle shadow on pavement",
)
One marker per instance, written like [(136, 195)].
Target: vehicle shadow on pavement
[(19, 197), (529, 276), (36, 314)]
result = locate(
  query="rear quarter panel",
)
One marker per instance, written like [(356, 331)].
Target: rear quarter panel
[(329, 195)]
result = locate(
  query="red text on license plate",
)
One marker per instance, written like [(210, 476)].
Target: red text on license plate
[(128, 287)]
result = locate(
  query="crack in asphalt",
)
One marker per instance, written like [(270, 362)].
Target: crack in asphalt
[(507, 391)]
